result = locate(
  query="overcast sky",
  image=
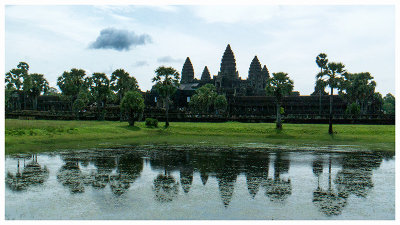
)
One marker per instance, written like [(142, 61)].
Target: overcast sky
[(54, 39)]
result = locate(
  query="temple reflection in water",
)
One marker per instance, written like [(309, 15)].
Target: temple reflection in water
[(266, 174)]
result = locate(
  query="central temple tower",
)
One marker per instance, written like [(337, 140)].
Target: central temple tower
[(228, 76), (187, 72)]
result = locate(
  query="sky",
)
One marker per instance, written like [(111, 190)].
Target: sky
[(138, 39)]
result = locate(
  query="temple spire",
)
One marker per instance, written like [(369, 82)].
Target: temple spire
[(228, 64), (265, 72), (255, 69), (187, 72), (205, 76)]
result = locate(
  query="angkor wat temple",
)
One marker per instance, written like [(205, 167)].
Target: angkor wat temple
[(247, 100), (247, 97), (227, 81)]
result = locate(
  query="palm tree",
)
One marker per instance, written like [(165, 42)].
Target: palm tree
[(166, 82), (321, 61), (331, 74), (121, 83), (279, 85)]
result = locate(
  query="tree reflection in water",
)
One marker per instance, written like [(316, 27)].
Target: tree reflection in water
[(355, 177), (32, 174), (70, 175), (105, 165), (317, 167), (120, 169), (165, 188), (279, 189), (129, 167), (328, 202)]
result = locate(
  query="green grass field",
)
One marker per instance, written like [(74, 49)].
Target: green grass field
[(47, 135)]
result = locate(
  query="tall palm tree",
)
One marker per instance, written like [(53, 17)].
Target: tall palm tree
[(121, 83), (166, 82), (331, 74), (279, 85), (321, 61)]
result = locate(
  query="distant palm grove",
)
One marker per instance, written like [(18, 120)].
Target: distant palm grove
[(262, 97)]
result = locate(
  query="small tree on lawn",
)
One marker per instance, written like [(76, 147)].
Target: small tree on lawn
[(132, 105), (332, 75), (166, 82), (279, 85)]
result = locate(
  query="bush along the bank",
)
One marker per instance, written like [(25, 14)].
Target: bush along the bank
[(150, 122)]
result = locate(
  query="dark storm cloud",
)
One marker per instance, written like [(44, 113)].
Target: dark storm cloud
[(111, 38), (168, 59)]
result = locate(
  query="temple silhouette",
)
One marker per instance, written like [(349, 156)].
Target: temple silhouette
[(228, 81), (246, 100)]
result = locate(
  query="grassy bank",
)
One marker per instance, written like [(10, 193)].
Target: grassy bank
[(45, 135)]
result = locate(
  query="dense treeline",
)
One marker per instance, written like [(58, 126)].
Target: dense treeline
[(81, 90)]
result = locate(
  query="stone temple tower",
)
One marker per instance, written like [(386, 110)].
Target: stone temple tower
[(255, 76), (228, 64), (187, 72), (205, 76), (228, 76), (265, 74)]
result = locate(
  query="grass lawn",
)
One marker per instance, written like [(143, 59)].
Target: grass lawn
[(46, 135)]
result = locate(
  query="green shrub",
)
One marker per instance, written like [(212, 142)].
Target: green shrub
[(150, 122), (353, 110)]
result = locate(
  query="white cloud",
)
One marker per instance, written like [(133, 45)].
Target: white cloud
[(285, 38), (235, 14)]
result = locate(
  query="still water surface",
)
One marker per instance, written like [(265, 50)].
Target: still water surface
[(166, 182)]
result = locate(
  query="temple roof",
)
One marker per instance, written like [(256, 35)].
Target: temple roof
[(187, 72)]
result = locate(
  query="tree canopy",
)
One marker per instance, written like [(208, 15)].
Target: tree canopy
[(203, 99), (71, 82), (331, 74), (322, 61), (166, 83), (121, 83), (279, 85), (31, 85), (99, 86), (207, 100), (358, 88), (15, 77), (132, 105), (389, 104)]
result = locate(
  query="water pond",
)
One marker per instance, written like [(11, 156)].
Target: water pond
[(181, 182)]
